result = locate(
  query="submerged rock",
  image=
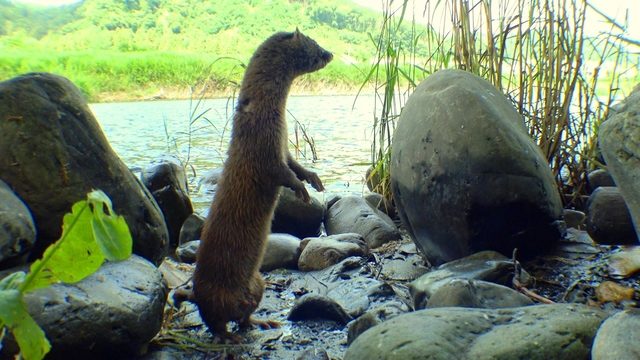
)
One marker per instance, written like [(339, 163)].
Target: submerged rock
[(45, 114), (17, 230), (561, 331), (465, 174)]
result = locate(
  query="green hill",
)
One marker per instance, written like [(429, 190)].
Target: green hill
[(139, 46)]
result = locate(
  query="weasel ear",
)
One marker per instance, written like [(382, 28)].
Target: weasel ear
[(296, 34)]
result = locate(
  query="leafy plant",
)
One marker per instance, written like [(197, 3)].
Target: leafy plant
[(91, 233)]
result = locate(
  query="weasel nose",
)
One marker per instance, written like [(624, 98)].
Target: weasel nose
[(327, 56)]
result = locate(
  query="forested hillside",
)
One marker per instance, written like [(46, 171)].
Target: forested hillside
[(117, 45)]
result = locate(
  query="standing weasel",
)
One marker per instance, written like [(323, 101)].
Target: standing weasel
[(227, 285)]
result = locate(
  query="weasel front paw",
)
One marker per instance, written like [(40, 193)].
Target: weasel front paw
[(314, 180)]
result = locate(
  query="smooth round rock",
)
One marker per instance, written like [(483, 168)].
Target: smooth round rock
[(465, 174), (608, 218), (560, 331)]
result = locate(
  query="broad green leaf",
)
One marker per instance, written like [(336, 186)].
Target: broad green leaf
[(13, 281), (110, 230), (13, 314), (72, 258)]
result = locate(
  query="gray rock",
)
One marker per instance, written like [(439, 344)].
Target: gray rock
[(187, 252), (561, 331), (320, 253), (17, 230), (476, 294), (352, 214), (486, 265), (294, 216), (598, 178), (167, 182), (115, 311), (465, 174), (619, 138), (314, 354), (381, 203), (373, 179), (312, 307), (371, 319), (283, 251), (74, 158), (191, 228), (608, 218), (574, 218), (353, 295), (617, 337), (409, 268)]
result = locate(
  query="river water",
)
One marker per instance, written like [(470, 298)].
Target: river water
[(340, 126)]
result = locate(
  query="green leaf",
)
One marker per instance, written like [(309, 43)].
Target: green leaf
[(110, 230), (13, 281), (13, 314), (72, 258)]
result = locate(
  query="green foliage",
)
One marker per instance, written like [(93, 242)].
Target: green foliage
[(113, 46), (14, 315), (90, 233)]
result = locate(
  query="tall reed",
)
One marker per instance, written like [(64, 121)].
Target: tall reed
[(535, 51)]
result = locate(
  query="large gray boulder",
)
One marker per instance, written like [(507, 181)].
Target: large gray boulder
[(619, 138), (561, 331), (54, 153), (465, 174), (17, 230), (113, 313)]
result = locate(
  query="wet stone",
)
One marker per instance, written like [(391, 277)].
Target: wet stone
[(283, 251), (313, 306), (187, 251), (486, 265), (476, 294)]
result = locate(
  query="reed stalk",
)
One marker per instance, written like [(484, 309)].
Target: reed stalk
[(535, 51)]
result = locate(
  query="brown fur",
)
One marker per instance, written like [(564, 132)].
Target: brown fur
[(227, 283)]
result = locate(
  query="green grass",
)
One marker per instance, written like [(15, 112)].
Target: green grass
[(100, 72)]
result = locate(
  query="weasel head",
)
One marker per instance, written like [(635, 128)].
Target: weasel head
[(298, 52)]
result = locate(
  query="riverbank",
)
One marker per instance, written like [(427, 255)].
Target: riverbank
[(154, 93)]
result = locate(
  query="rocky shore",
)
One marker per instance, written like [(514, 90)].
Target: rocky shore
[(475, 259)]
